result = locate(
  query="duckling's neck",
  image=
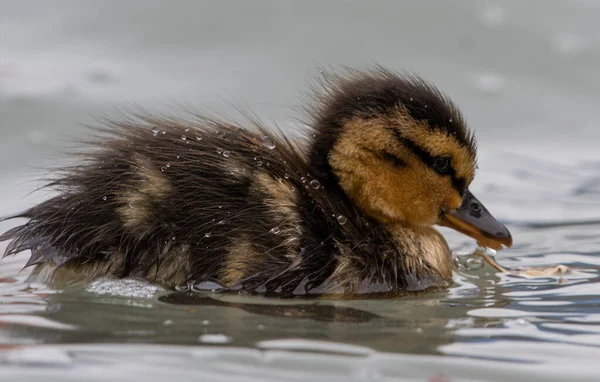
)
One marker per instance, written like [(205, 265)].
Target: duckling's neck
[(424, 248), (318, 157)]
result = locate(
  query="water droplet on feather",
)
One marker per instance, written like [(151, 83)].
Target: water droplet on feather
[(268, 142)]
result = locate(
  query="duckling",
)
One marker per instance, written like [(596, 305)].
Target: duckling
[(349, 208)]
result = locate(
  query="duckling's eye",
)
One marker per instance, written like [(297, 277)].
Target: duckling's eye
[(441, 164)]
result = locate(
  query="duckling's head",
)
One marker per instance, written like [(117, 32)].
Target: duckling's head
[(401, 151)]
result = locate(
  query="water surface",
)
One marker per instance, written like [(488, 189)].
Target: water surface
[(525, 75)]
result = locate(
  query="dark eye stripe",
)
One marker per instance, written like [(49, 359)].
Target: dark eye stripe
[(394, 159), (459, 184), (385, 155)]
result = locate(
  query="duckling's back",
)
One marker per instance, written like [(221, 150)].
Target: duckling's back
[(184, 203)]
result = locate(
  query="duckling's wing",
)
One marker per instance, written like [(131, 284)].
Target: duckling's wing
[(152, 188)]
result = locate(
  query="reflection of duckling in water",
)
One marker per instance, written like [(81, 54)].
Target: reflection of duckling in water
[(312, 311), (349, 210)]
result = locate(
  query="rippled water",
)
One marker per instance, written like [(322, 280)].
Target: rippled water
[(524, 73)]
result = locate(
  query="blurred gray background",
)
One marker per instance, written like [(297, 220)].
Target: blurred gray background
[(525, 73)]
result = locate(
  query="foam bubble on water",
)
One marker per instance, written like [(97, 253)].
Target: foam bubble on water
[(36, 321), (214, 339), (506, 313), (124, 287), (545, 303), (555, 271), (297, 344), (31, 355)]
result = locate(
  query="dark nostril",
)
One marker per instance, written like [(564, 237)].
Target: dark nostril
[(475, 207)]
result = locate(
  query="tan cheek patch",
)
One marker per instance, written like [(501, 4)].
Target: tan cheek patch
[(418, 193), (414, 193), (382, 190), (357, 168), (454, 201)]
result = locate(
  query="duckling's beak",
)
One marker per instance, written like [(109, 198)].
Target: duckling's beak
[(473, 219)]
